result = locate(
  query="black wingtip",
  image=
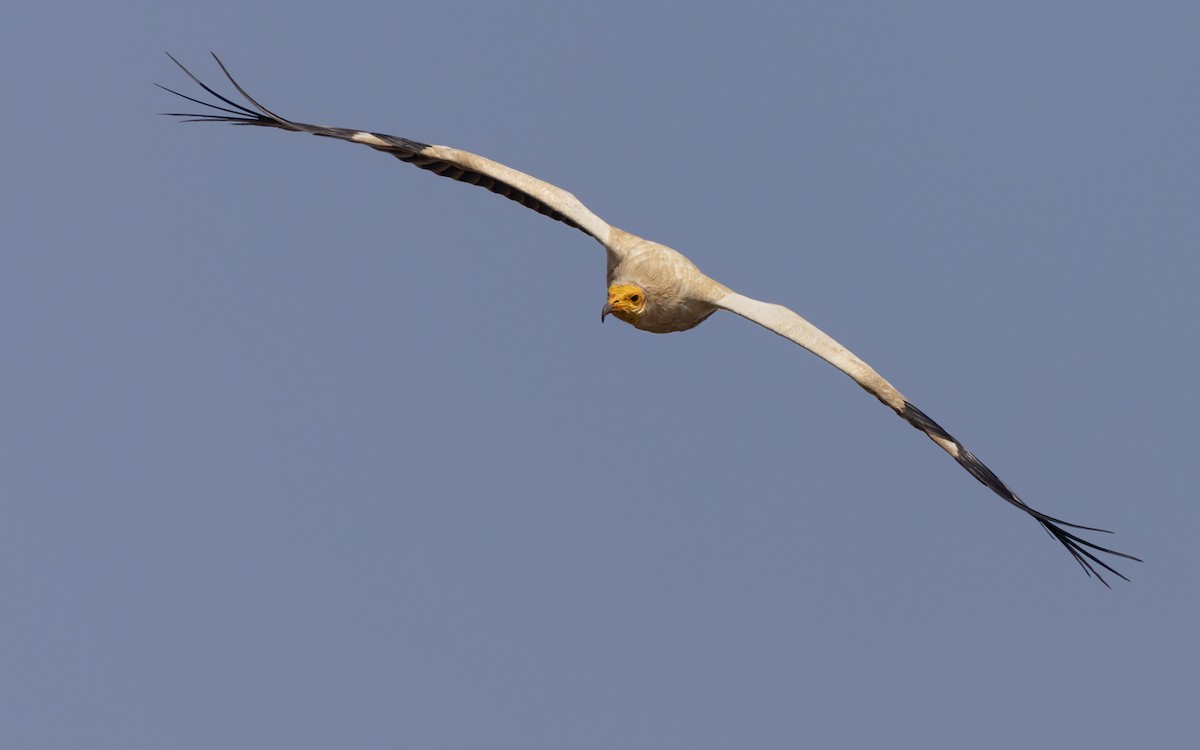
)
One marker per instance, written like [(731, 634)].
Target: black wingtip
[(238, 115), (1080, 549)]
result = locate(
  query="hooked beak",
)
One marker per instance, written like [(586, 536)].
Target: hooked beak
[(605, 311)]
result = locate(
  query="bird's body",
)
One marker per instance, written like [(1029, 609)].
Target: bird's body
[(678, 295), (653, 287)]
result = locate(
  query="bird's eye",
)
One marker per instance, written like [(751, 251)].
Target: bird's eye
[(634, 298)]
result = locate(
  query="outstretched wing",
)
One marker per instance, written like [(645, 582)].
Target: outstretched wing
[(791, 326), (463, 166)]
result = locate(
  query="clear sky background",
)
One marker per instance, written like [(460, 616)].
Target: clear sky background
[(301, 447)]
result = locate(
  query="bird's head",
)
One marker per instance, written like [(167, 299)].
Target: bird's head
[(626, 302)]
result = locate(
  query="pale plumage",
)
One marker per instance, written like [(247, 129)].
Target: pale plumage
[(651, 286)]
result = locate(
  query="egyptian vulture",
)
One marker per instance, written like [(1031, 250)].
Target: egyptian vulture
[(651, 286)]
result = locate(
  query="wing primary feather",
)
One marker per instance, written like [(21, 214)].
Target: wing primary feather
[(205, 86), (1053, 526), (237, 115), (242, 91)]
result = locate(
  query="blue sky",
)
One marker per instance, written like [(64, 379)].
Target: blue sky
[(303, 447)]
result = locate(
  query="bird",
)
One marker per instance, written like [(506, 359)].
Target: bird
[(650, 286)]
